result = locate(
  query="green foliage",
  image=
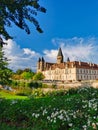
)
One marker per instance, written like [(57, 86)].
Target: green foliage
[(7, 127), (18, 12), (24, 91), (5, 72), (27, 75), (21, 84), (45, 86), (19, 71), (61, 111), (14, 83), (38, 93), (31, 84), (38, 76), (27, 70), (10, 95)]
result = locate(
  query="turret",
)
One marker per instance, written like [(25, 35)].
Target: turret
[(42, 64), (43, 59), (38, 64), (39, 59), (60, 56), (68, 60)]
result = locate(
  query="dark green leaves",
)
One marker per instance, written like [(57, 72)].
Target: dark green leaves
[(19, 12)]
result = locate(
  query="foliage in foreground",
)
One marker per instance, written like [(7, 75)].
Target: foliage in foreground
[(19, 12), (5, 72), (76, 109)]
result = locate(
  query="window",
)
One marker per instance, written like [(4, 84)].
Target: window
[(70, 71), (66, 71), (77, 71)]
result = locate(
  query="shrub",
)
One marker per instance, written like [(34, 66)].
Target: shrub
[(24, 91), (14, 83), (44, 85), (38, 93)]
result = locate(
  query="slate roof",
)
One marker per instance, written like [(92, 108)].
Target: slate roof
[(60, 52)]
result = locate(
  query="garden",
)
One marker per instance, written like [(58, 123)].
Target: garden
[(73, 109), (25, 106)]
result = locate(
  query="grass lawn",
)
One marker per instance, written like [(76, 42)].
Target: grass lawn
[(8, 95)]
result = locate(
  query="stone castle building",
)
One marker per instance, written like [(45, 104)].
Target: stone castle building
[(67, 71)]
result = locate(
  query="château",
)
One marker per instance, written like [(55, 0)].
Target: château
[(67, 71)]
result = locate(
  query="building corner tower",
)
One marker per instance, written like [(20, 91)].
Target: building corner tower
[(60, 56)]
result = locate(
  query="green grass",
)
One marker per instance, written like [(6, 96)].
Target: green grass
[(8, 95)]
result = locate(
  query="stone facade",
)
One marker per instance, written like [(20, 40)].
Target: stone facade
[(67, 71)]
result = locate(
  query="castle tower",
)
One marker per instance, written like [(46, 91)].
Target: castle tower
[(42, 64), (68, 60), (60, 56), (38, 64)]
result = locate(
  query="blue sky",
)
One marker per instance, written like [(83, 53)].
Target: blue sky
[(69, 24)]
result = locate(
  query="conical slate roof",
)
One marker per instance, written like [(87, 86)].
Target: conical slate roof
[(68, 60), (39, 59), (43, 59), (60, 52)]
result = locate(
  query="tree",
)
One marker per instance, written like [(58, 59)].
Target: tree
[(27, 75), (18, 12), (38, 76), (19, 71), (5, 72), (27, 70)]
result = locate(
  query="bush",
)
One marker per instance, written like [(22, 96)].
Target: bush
[(44, 85), (31, 84), (38, 93), (14, 83), (24, 91)]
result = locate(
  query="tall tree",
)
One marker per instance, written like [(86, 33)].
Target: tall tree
[(18, 12), (27, 75), (5, 72), (38, 76)]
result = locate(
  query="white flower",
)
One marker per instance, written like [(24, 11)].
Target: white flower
[(84, 126), (14, 102), (54, 121), (36, 115), (48, 118), (94, 125), (33, 114), (70, 124), (44, 112), (61, 117)]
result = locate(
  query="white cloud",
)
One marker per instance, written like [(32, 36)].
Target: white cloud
[(50, 55), (84, 49), (20, 58)]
